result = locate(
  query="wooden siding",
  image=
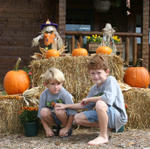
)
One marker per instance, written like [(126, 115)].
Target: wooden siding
[(145, 40), (20, 22)]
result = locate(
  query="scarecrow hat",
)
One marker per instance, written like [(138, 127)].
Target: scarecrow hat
[(48, 23), (108, 27)]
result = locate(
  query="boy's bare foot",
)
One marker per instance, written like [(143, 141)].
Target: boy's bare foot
[(49, 133), (98, 140)]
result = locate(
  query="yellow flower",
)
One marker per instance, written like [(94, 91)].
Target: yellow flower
[(94, 38), (88, 37), (116, 39)]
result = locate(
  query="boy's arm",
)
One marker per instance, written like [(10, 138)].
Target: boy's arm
[(41, 103), (76, 106), (90, 99)]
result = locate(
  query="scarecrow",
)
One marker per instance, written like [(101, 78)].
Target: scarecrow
[(108, 40), (50, 36)]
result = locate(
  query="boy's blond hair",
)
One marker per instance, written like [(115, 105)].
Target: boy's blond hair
[(98, 62), (53, 74)]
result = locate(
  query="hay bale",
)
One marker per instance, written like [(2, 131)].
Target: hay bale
[(138, 101), (76, 72), (9, 118)]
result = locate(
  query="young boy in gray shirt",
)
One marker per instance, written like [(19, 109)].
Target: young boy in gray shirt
[(104, 101), (55, 93)]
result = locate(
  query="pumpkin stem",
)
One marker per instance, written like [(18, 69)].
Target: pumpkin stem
[(78, 45), (17, 63), (139, 62)]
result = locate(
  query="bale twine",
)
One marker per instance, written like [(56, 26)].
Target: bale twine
[(75, 71), (138, 102)]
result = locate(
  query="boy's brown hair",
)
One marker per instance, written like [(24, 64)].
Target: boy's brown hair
[(98, 62)]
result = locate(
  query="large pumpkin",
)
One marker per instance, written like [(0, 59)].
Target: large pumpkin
[(16, 81), (79, 51), (52, 53), (137, 77), (103, 50)]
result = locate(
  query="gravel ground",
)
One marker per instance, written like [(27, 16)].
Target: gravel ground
[(131, 139)]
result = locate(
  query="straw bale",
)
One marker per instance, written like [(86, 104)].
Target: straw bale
[(9, 118), (138, 102), (76, 72), (10, 105)]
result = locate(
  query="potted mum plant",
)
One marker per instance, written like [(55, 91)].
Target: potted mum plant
[(29, 119), (94, 41)]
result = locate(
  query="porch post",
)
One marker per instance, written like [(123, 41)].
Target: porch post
[(62, 18), (145, 29)]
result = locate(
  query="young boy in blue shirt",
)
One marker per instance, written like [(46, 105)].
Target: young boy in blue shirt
[(55, 93), (105, 102)]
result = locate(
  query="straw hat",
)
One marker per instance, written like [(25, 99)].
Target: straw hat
[(108, 28)]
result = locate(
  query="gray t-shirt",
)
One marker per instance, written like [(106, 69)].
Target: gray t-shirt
[(64, 95), (111, 94)]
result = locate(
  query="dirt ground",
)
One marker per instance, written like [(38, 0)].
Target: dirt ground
[(129, 139)]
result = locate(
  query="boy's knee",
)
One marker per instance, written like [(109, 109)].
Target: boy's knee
[(45, 112), (60, 112), (78, 118), (101, 105)]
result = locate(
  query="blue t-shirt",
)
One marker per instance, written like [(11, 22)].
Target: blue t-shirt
[(46, 98), (111, 94)]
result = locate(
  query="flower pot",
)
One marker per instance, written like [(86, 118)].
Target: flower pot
[(120, 49), (92, 47), (120, 130), (30, 129)]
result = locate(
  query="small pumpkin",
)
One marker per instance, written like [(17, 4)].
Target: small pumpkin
[(16, 81), (137, 77), (52, 53), (79, 51), (103, 50)]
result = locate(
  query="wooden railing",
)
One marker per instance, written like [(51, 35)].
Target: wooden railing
[(128, 39)]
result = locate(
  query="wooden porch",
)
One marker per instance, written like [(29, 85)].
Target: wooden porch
[(129, 37), (126, 38)]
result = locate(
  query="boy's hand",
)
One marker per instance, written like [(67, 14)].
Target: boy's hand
[(84, 101), (60, 106)]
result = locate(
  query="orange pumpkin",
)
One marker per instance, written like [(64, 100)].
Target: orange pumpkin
[(16, 81), (103, 50), (79, 51), (137, 77), (52, 53)]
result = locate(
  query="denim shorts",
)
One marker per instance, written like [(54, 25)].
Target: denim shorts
[(56, 120), (91, 115)]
